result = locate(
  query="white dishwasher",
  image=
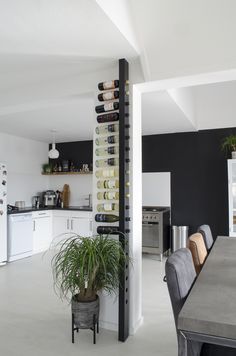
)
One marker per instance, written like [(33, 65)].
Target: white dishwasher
[(20, 236)]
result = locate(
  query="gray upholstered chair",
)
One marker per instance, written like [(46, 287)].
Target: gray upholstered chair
[(207, 235), (180, 276)]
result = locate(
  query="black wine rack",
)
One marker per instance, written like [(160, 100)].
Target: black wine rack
[(124, 219), (120, 114)]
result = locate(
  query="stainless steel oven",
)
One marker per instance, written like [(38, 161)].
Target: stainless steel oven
[(155, 230)]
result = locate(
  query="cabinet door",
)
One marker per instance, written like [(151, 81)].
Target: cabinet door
[(42, 234), (81, 226), (61, 228)]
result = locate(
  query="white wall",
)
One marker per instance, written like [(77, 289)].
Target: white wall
[(156, 189), (80, 187), (24, 159)]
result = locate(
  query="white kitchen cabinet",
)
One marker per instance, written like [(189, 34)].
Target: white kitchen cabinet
[(61, 225), (232, 196), (66, 223), (42, 230), (81, 225)]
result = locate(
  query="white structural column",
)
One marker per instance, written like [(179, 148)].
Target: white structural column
[(135, 242)]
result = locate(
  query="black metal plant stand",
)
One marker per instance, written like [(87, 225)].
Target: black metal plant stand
[(95, 328)]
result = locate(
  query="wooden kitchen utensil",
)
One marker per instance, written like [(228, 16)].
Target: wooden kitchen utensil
[(66, 195)]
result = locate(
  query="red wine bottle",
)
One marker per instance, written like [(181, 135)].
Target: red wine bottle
[(107, 107), (108, 230), (106, 218), (112, 84), (109, 95), (114, 116)]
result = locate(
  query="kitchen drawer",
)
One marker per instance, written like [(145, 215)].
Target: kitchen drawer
[(41, 214), (81, 214), (62, 213)]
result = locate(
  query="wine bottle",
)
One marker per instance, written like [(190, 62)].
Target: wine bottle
[(112, 84), (108, 184), (107, 162), (107, 207), (107, 107), (108, 229), (107, 173), (106, 218), (108, 196), (113, 150), (109, 95), (103, 141), (113, 116), (100, 130)]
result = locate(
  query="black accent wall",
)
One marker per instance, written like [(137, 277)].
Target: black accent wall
[(199, 183), (78, 152)]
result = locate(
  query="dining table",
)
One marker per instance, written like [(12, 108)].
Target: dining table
[(209, 312)]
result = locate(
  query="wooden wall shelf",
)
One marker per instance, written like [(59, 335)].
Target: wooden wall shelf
[(65, 173)]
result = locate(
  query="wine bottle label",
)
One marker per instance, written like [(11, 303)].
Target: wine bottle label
[(111, 184), (110, 195), (109, 85), (111, 150), (111, 128), (109, 173), (107, 207), (108, 107), (111, 162), (112, 139), (108, 96)]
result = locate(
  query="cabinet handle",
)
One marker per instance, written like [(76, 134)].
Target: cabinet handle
[(71, 224), (68, 224), (34, 225)]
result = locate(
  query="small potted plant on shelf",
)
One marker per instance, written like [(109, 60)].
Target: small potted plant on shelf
[(229, 145), (47, 168), (82, 267)]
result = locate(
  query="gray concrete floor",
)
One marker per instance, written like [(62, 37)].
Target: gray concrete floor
[(34, 321)]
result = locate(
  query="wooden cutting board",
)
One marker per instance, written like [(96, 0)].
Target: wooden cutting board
[(66, 195)]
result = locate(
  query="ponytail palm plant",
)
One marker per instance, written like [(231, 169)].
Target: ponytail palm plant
[(85, 265)]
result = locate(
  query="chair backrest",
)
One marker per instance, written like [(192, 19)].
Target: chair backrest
[(207, 235), (180, 276), (198, 249)]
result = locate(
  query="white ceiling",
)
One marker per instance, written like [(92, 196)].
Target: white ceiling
[(72, 119), (185, 36), (60, 27), (213, 106), (52, 54), (160, 114)]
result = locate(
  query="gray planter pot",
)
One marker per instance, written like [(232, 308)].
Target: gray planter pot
[(86, 314)]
